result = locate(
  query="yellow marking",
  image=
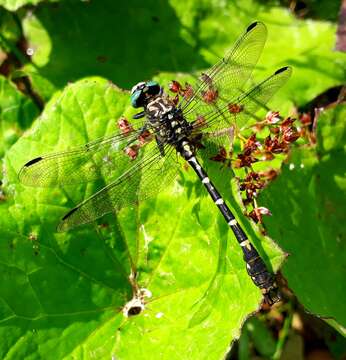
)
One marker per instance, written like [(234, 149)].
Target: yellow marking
[(219, 202), (247, 244), (232, 222)]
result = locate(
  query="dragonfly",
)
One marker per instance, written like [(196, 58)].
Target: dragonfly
[(144, 151)]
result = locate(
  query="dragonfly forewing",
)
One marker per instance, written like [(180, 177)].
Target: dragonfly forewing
[(98, 159), (143, 180), (239, 110), (226, 79)]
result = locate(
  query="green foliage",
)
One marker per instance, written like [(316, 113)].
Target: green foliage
[(62, 294), (13, 5), (182, 248), (310, 222), (16, 114)]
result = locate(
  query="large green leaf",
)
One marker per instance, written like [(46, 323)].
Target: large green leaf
[(72, 286), (309, 218), (16, 114), (132, 41), (62, 293)]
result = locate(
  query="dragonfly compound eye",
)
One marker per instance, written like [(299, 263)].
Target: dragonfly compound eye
[(153, 88), (142, 92)]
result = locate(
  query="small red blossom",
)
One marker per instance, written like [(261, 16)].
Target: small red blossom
[(273, 145), (286, 123), (175, 86), (251, 145), (244, 160), (235, 108), (124, 125), (251, 184), (256, 213), (144, 137), (221, 156), (273, 117), (270, 174), (252, 176), (290, 134), (132, 151), (188, 92), (305, 119), (275, 130), (210, 95), (267, 156)]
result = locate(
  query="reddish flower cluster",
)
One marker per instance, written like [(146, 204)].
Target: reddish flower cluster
[(251, 184), (307, 130), (178, 89), (282, 134), (132, 151), (257, 212), (223, 157), (210, 95), (125, 128), (124, 125), (246, 158)]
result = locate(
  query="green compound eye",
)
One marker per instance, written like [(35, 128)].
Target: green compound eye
[(142, 90), (135, 98), (153, 87)]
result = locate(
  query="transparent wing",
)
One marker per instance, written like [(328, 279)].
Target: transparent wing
[(142, 180), (226, 79), (240, 109), (97, 159)]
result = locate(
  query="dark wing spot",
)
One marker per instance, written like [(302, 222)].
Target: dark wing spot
[(251, 26), (70, 213), (281, 70), (33, 161)]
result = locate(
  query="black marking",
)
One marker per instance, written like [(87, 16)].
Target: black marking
[(33, 161), (135, 310), (281, 70), (70, 213), (139, 115), (251, 26)]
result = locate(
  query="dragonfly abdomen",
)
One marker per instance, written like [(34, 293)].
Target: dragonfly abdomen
[(255, 266)]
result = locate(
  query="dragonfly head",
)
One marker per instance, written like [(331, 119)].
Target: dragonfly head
[(143, 92)]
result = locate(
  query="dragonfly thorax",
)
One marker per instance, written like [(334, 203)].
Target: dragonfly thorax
[(167, 121)]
